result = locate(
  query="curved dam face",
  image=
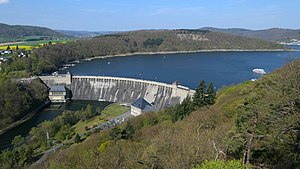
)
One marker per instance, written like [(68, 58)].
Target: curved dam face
[(126, 90)]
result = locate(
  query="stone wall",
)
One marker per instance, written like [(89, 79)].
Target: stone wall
[(64, 79)]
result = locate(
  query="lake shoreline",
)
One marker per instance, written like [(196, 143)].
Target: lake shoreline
[(186, 52)]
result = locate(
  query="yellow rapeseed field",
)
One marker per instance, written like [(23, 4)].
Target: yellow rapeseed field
[(20, 47)]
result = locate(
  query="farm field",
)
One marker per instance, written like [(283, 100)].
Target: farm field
[(29, 42), (20, 47)]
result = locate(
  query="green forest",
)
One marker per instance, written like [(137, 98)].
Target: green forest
[(18, 99)]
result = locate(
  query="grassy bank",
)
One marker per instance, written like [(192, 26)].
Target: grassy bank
[(110, 112)]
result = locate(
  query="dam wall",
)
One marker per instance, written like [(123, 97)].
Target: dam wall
[(123, 90), (126, 90)]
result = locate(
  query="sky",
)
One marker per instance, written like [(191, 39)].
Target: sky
[(123, 15)]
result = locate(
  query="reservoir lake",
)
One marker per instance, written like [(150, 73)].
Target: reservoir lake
[(221, 68)]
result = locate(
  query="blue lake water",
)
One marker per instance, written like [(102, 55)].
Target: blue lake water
[(221, 68)]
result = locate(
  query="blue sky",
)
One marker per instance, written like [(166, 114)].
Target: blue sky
[(120, 15)]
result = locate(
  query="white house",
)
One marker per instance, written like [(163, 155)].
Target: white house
[(3, 58), (140, 106), (7, 52)]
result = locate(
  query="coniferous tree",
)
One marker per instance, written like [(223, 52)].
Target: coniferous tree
[(128, 131), (210, 95), (187, 106), (199, 96), (88, 113), (115, 133), (183, 109)]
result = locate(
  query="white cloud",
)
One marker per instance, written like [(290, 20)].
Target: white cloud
[(4, 1)]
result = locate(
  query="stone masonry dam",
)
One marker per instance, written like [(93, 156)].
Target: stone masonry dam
[(123, 90)]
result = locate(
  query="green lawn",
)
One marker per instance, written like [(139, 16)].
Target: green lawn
[(81, 125), (114, 110), (111, 111)]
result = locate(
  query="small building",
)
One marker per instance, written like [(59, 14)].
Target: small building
[(21, 54), (140, 106), (3, 58), (7, 52), (58, 94)]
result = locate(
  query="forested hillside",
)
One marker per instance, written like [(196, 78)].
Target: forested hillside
[(256, 123), (147, 41), (273, 34), (18, 99), (17, 31)]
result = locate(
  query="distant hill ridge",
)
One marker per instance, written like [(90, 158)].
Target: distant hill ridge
[(272, 34), (16, 31), (84, 34)]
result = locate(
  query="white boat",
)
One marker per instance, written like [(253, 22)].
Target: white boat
[(259, 71)]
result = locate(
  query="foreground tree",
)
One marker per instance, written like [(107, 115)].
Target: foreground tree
[(18, 141), (219, 164), (183, 109), (88, 113), (210, 96), (199, 96), (128, 131)]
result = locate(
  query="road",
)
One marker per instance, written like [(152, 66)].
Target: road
[(103, 126)]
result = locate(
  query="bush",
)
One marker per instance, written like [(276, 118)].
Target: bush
[(220, 164)]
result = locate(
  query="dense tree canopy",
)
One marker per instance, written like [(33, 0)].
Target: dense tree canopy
[(18, 99)]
